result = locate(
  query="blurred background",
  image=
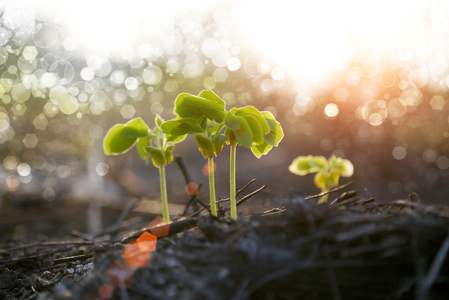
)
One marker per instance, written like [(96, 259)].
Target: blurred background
[(364, 80)]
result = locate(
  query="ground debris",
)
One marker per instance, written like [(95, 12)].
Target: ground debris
[(352, 248)]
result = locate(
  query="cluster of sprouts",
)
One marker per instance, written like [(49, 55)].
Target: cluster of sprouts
[(204, 116)]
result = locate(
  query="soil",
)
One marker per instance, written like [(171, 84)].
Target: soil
[(352, 248)]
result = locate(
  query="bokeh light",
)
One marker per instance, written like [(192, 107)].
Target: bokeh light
[(353, 78), (331, 110)]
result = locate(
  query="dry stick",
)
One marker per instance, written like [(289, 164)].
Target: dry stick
[(241, 201), (185, 173), (328, 192), (73, 258), (129, 207), (44, 244), (175, 227), (246, 185), (239, 191), (84, 236), (201, 210), (114, 229), (194, 198)]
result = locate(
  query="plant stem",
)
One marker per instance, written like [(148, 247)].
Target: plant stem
[(323, 199), (165, 213), (213, 207), (232, 184)]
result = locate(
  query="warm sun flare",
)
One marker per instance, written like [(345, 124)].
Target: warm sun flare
[(310, 39), (313, 38)]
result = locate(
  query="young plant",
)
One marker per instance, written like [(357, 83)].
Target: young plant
[(205, 116), (250, 128), (150, 144), (202, 115), (328, 172)]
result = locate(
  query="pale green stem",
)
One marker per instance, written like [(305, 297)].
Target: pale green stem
[(324, 198), (165, 213), (213, 207), (232, 184)]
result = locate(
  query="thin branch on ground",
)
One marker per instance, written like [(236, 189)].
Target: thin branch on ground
[(238, 192), (328, 192), (247, 197), (187, 178)]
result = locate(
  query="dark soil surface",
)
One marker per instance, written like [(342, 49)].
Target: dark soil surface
[(352, 248)]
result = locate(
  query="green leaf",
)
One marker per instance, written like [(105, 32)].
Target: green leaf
[(232, 140), (343, 166), (276, 133), (256, 129), (271, 120), (175, 138), (168, 154), (135, 128), (231, 121), (334, 177), (114, 143), (251, 110), (157, 156), (244, 135), (205, 145), (181, 126), (141, 145), (218, 142), (303, 165), (209, 95), (318, 163), (262, 149), (158, 120), (203, 122), (321, 180), (214, 127), (189, 106)]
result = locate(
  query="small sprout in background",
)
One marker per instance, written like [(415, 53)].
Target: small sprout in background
[(202, 115), (250, 128), (151, 144), (328, 172)]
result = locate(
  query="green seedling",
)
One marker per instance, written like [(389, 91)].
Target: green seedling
[(150, 144), (328, 171), (203, 116), (250, 128)]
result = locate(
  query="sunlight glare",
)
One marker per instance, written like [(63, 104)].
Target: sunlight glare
[(312, 39), (108, 27)]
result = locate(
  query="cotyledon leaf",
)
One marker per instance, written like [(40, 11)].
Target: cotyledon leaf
[(135, 128), (195, 107), (244, 135), (181, 126), (114, 143)]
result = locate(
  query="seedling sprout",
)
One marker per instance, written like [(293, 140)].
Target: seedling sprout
[(205, 116), (151, 144), (328, 171)]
